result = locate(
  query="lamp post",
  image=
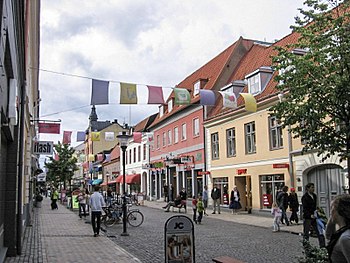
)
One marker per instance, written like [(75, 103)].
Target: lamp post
[(123, 141)]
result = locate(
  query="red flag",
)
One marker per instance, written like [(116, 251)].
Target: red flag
[(55, 156), (67, 137), (137, 137), (155, 95), (49, 127)]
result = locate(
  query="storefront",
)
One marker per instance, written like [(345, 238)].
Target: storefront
[(269, 185)]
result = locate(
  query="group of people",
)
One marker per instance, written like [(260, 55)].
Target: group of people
[(336, 229)]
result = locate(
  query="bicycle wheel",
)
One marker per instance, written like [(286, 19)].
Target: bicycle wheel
[(135, 218), (109, 221)]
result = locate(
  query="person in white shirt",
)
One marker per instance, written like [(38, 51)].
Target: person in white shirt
[(96, 203)]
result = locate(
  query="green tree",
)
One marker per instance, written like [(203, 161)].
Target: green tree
[(316, 85), (62, 169)]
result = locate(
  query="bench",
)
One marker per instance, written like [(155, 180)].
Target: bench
[(226, 259), (182, 205)]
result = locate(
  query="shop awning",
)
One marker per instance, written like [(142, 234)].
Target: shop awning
[(96, 181), (112, 182), (130, 179)]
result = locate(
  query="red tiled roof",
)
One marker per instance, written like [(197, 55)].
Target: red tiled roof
[(115, 153), (211, 71), (258, 56)]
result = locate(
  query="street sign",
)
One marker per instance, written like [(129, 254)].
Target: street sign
[(179, 240)]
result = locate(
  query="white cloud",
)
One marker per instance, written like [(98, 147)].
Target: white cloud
[(144, 42)]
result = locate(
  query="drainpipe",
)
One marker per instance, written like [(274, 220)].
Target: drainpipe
[(290, 157), (204, 149), (20, 170)]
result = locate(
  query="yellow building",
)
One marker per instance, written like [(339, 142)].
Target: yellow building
[(252, 151)]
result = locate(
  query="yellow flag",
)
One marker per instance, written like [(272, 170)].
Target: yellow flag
[(250, 102), (95, 136), (128, 93)]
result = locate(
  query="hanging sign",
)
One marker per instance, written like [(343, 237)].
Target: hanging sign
[(45, 148)]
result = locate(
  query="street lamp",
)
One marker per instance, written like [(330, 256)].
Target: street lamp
[(123, 142)]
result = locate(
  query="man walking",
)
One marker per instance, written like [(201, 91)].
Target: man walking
[(216, 196), (96, 203), (282, 202), (309, 201)]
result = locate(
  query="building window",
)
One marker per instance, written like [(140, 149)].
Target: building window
[(161, 111), (130, 156), (164, 139), (276, 136), (170, 105), (231, 142), (249, 130), (176, 134), (254, 84), (184, 132), (196, 87), (135, 155), (196, 127), (144, 152), (139, 154), (169, 137), (158, 142), (215, 146)]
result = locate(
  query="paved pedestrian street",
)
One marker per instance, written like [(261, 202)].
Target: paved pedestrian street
[(60, 236)]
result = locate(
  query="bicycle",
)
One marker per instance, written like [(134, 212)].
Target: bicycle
[(114, 213)]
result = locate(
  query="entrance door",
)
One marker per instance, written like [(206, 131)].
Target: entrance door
[(328, 182)]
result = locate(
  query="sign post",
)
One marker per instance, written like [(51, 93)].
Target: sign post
[(179, 240)]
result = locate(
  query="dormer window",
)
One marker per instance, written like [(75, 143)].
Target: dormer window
[(161, 111), (196, 88), (198, 85), (258, 79), (170, 105), (235, 87)]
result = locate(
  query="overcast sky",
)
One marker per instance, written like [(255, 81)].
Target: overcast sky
[(137, 41)]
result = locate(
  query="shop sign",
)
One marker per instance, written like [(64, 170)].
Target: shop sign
[(41, 147), (158, 165), (280, 165), (241, 171), (203, 172), (186, 159)]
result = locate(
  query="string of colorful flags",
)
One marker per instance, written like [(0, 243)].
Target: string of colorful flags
[(128, 95)]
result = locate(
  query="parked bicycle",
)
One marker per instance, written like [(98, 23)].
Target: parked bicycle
[(114, 214)]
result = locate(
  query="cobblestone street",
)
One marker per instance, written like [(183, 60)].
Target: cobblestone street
[(213, 238)]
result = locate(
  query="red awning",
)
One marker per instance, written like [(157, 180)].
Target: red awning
[(133, 179), (130, 179), (112, 182)]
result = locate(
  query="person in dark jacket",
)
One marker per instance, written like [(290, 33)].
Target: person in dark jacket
[(309, 202), (216, 196), (293, 206), (282, 201)]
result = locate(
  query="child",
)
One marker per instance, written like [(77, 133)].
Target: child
[(321, 220), (277, 213), (200, 209), (194, 207)]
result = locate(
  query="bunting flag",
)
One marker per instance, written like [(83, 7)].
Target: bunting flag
[(95, 136), (250, 102), (128, 93), (91, 158), (99, 92), (150, 138), (109, 136), (67, 137), (80, 136), (182, 96), (82, 158), (49, 127), (155, 95), (137, 137), (228, 100), (207, 97), (56, 157)]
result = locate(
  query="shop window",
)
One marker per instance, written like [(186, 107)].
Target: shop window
[(269, 185)]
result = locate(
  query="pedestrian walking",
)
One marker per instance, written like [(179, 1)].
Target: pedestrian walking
[(235, 200), (96, 203), (205, 198), (293, 206), (338, 247), (309, 202), (282, 202), (200, 209), (194, 208), (54, 198), (166, 193), (216, 196), (82, 204), (109, 196), (276, 212)]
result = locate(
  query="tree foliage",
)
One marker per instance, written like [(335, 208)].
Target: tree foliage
[(62, 169), (316, 85)]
